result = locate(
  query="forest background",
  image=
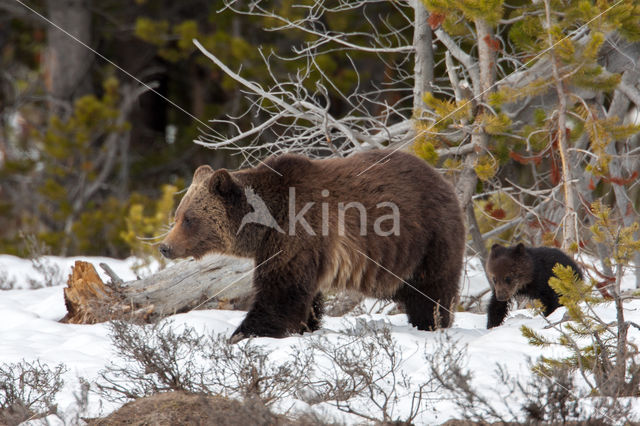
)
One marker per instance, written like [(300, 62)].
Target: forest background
[(531, 108)]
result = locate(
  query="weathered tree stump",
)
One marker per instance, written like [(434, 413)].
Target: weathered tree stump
[(212, 282)]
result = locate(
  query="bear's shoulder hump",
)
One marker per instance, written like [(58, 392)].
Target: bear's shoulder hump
[(288, 163)]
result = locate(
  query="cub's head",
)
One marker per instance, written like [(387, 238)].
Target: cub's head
[(206, 218), (510, 269)]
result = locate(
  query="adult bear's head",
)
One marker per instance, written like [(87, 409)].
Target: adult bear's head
[(208, 216)]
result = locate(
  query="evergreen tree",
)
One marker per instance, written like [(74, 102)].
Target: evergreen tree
[(599, 348)]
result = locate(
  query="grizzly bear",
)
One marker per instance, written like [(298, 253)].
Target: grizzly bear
[(381, 223), (523, 271)]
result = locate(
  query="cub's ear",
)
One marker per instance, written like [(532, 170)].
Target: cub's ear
[(496, 248), (222, 183), (520, 249)]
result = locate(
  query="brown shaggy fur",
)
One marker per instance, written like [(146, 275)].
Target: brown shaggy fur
[(425, 253)]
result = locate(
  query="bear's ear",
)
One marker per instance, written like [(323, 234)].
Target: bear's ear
[(222, 183), (520, 249), (201, 173)]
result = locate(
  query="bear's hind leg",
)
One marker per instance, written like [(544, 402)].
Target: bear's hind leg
[(428, 304), (431, 294)]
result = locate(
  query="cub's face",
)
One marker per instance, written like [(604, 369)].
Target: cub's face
[(510, 269), (202, 220)]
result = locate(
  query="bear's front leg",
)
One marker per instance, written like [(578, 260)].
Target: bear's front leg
[(496, 312), (283, 299)]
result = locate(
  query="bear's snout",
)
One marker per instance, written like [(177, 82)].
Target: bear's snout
[(165, 250), (502, 295)]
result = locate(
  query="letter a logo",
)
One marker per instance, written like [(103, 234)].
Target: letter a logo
[(260, 213)]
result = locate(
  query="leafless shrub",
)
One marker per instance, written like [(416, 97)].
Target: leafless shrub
[(555, 398), (364, 375), (359, 372), (448, 368), (552, 398), (7, 282), (50, 273), (153, 359), (157, 359), (378, 306), (246, 369), (340, 303), (78, 412), (28, 390)]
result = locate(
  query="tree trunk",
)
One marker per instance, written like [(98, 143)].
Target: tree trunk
[(423, 68), (570, 219), (468, 179), (213, 282), (68, 61)]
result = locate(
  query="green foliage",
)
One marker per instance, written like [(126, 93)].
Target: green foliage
[(448, 111), (73, 155), (485, 167), (153, 32), (506, 94), (572, 290), (620, 239), (602, 131), (101, 226), (598, 348), (578, 298), (524, 34), (494, 124), (533, 338), (144, 231), (532, 40), (426, 151), (490, 11), (70, 147), (92, 117), (432, 136), (233, 39)]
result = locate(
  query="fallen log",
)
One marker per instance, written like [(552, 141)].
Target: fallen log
[(213, 282)]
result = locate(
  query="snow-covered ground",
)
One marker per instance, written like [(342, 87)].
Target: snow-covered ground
[(29, 329)]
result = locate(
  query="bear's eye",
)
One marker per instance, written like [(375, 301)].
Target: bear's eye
[(187, 221), (508, 280), (495, 280)]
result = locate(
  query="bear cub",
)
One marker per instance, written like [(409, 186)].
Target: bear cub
[(523, 271)]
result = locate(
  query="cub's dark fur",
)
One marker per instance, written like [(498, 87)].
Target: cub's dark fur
[(332, 247), (523, 271)]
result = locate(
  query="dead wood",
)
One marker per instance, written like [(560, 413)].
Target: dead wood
[(212, 282)]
